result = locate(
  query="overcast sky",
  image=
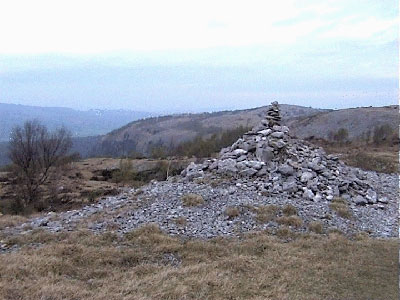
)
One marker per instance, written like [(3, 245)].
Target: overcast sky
[(198, 55)]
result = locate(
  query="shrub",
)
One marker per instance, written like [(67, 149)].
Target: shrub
[(293, 221), (372, 162), (284, 232), (383, 134), (181, 221), (266, 213), (192, 200), (341, 207), (201, 147), (93, 195), (316, 227), (232, 212), (125, 172), (289, 210), (341, 135), (35, 153)]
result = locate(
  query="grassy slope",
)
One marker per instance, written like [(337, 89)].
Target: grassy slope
[(81, 265)]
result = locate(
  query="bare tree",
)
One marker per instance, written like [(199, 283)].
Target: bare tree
[(34, 151)]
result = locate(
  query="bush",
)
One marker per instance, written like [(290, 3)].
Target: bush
[(200, 147), (316, 227), (341, 207), (383, 134), (181, 221), (35, 153), (289, 210), (373, 162), (192, 200), (293, 221), (125, 172), (232, 212), (266, 213)]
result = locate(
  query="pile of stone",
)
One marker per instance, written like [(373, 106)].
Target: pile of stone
[(277, 164), (274, 115)]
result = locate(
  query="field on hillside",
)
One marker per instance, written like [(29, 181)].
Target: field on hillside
[(147, 264), (83, 182)]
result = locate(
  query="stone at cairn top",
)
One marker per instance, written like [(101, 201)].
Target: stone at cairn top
[(273, 115)]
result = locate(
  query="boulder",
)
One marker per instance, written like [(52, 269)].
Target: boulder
[(227, 166), (239, 152), (265, 154), (285, 169), (308, 194), (277, 134), (360, 200), (306, 176)]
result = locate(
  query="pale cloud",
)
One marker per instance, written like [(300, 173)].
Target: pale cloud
[(198, 55), (87, 27)]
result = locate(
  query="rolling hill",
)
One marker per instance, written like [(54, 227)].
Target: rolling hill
[(81, 123)]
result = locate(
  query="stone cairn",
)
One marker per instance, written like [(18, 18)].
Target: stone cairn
[(274, 115), (276, 164)]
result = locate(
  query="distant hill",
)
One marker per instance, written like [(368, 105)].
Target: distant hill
[(358, 122), (81, 123), (304, 122), (142, 136), (169, 131)]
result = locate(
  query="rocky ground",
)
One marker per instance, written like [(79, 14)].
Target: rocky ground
[(267, 180), (161, 203)]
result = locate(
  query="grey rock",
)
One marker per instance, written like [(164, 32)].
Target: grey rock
[(286, 170), (383, 200), (241, 158), (239, 152), (289, 186), (257, 165), (308, 194), (265, 132), (360, 200), (371, 196), (306, 176), (227, 166), (248, 172), (277, 134), (265, 154)]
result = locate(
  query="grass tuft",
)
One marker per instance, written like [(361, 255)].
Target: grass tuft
[(180, 221), (289, 210), (316, 227), (192, 200), (293, 221), (341, 207), (266, 213), (232, 212)]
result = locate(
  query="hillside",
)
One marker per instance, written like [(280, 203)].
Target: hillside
[(169, 131), (269, 211), (81, 123), (141, 136), (359, 122)]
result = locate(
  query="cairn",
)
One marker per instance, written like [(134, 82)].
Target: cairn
[(281, 165), (273, 115)]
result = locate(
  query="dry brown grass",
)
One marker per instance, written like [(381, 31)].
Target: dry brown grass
[(341, 207), (192, 200), (289, 210), (316, 227), (232, 212), (293, 221), (266, 213), (181, 221), (11, 220), (81, 266), (382, 158)]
